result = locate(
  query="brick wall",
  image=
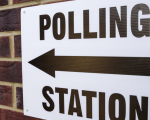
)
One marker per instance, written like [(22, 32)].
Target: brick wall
[(11, 96)]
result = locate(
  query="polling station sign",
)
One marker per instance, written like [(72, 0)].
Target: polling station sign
[(87, 59)]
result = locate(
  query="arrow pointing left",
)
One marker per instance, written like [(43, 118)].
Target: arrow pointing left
[(50, 63)]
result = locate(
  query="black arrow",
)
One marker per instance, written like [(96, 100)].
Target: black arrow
[(50, 63)]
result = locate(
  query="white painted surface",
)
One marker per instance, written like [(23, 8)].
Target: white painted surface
[(34, 79)]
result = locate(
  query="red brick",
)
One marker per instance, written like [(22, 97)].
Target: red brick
[(12, 115), (17, 40), (11, 71), (58, 1), (20, 1), (6, 95), (10, 20), (4, 47), (19, 97), (3, 2)]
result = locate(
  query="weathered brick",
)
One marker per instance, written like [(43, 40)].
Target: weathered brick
[(11, 71), (6, 95), (12, 115), (4, 47), (10, 20), (20, 1), (19, 97), (17, 40), (3, 2)]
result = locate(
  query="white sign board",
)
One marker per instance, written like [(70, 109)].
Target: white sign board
[(87, 59)]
